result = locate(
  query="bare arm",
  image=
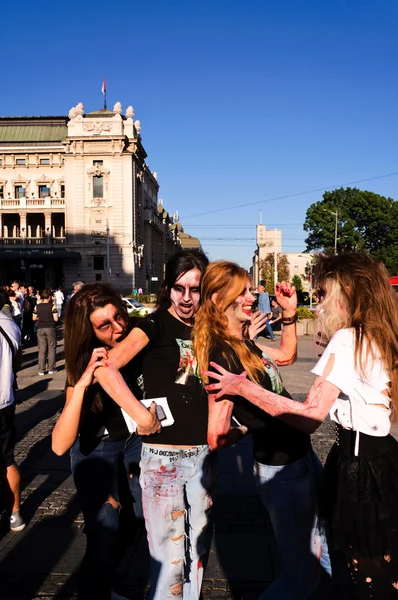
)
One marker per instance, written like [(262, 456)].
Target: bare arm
[(219, 432), (128, 348), (66, 429), (286, 354), (306, 416), (114, 385)]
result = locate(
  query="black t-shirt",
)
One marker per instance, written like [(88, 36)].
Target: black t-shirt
[(275, 443), (45, 311), (170, 369)]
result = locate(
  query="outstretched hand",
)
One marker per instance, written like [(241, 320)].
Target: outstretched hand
[(257, 324), (227, 383), (286, 296)]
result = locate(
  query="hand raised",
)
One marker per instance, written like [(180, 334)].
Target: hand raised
[(257, 324), (286, 296), (98, 359)]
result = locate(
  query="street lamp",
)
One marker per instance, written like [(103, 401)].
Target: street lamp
[(335, 229)]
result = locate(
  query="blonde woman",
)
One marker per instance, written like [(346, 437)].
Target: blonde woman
[(286, 469), (357, 384)]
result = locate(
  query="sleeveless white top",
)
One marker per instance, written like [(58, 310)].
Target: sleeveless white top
[(356, 407)]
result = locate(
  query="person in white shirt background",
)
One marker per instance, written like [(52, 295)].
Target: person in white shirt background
[(10, 356), (59, 300), (357, 384)]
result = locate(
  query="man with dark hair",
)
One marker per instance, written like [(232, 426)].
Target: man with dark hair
[(46, 316), (10, 338)]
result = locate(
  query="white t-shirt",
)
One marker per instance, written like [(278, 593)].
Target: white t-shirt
[(59, 297), (6, 356), (356, 407)]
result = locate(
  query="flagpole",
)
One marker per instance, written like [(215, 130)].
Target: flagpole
[(105, 99)]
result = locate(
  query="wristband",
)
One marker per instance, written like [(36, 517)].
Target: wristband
[(289, 320), (288, 323)]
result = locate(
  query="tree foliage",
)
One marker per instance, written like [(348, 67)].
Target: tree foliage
[(267, 270), (365, 222), (297, 282)]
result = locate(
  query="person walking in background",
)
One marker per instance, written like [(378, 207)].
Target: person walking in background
[(264, 306), (28, 329), (46, 316), (59, 300), (10, 360), (276, 319), (16, 308)]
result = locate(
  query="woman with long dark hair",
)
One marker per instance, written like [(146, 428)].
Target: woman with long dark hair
[(176, 473), (286, 469), (357, 384), (105, 447)]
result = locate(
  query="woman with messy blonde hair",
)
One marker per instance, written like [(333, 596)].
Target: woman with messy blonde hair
[(286, 469), (357, 384)]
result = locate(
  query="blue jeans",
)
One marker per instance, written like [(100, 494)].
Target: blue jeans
[(176, 494), (290, 494), (105, 475)]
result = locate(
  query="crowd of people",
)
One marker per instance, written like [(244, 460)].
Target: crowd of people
[(150, 402)]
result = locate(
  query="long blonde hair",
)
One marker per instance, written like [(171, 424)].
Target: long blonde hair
[(227, 280), (358, 294)]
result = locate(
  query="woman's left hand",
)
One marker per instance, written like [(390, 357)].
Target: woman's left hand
[(286, 296), (257, 324), (227, 384)]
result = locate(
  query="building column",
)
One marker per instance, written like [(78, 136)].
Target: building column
[(47, 227), (22, 226), (1, 226)]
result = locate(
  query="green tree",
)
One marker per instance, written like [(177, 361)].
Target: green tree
[(267, 270), (297, 282), (365, 222)]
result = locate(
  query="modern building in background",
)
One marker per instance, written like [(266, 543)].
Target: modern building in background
[(79, 202), (268, 241)]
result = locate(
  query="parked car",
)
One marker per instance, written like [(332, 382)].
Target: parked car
[(394, 283), (133, 304)]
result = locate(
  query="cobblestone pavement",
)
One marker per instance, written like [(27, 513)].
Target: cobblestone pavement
[(42, 561)]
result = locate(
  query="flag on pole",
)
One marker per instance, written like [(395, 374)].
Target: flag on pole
[(103, 89)]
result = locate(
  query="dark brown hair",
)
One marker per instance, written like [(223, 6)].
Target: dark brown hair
[(80, 339)]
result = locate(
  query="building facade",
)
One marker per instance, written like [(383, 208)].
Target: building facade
[(268, 241), (78, 202)]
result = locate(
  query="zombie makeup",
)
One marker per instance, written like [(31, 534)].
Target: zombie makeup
[(185, 296)]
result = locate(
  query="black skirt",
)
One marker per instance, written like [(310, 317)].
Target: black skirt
[(360, 494)]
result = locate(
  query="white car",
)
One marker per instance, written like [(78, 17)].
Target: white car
[(133, 304)]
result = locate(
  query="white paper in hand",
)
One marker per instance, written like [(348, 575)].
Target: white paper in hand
[(169, 420)]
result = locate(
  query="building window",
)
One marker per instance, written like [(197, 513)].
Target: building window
[(44, 191), (62, 190), (98, 187), (1, 192), (20, 191), (98, 277), (98, 163), (1, 161), (20, 161), (44, 161), (296, 266), (99, 263)]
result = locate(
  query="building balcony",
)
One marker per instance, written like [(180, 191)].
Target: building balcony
[(48, 202), (32, 241)]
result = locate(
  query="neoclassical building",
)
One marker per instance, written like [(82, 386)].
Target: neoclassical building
[(78, 202)]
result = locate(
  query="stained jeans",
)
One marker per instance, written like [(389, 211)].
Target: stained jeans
[(176, 494), (47, 345), (290, 494), (111, 469)]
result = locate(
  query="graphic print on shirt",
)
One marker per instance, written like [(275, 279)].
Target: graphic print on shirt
[(188, 365), (273, 373)]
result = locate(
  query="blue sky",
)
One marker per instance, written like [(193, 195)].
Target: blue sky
[(240, 101)]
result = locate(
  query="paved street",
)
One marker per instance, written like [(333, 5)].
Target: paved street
[(42, 561)]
